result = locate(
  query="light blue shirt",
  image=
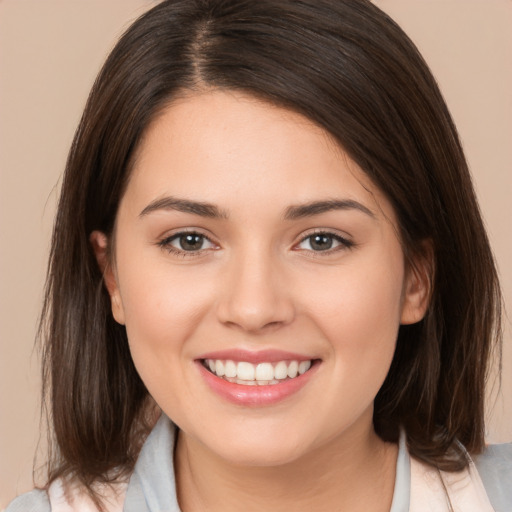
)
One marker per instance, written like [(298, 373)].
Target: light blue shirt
[(152, 484)]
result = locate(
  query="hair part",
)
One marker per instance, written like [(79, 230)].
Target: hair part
[(347, 67)]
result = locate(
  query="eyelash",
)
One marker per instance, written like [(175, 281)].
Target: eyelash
[(344, 243), (166, 244)]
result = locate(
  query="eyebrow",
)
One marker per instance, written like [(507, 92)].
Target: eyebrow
[(294, 212), (317, 207), (185, 206)]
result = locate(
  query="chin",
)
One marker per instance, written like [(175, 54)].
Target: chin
[(259, 446), (256, 455)]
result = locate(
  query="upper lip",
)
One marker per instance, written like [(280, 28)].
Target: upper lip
[(260, 356)]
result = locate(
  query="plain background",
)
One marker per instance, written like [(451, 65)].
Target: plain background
[(50, 52)]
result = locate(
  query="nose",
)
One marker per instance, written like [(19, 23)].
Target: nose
[(255, 296)]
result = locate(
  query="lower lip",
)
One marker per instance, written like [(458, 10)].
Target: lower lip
[(255, 395)]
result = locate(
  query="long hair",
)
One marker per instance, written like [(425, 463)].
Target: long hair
[(349, 68)]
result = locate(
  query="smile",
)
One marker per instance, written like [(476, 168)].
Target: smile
[(255, 379), (261, 374)]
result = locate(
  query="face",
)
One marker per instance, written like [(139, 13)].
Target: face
[(260, 277)]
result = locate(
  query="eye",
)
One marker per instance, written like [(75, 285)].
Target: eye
[(324, 242), (186, 242)]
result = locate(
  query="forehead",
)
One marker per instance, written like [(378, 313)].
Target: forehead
[(231, 147)]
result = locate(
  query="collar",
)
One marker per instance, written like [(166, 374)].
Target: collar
[(152, 486)]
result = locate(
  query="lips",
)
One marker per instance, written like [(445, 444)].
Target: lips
[(256, 378)]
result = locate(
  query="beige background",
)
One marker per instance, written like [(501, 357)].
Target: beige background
[(50, 51)]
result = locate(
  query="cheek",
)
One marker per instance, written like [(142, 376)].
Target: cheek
[(161, 302), (163, 305), (358, 311)]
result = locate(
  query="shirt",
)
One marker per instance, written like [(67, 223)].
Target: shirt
[(420, 487)]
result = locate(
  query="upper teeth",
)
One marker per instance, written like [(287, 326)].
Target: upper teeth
[(243, 372)]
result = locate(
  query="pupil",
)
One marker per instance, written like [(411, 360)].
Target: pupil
[(191, 242), (321, 242)]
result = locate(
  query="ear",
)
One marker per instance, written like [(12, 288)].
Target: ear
[(99, 242), (418, 284)]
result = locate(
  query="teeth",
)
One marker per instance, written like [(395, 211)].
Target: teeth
[(262, 374), (264, 371), (219, 368), (293, 369), (246, 382), (304, 366), (230, 369), (281, 371), (245, 371)]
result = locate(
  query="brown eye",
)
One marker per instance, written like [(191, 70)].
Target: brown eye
[(191, 242), (186, 242)]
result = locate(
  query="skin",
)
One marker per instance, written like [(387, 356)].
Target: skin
[(258, 283)]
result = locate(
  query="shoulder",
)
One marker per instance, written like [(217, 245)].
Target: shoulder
[(71, 496), (63, 497), (494, 466), (33, 501)]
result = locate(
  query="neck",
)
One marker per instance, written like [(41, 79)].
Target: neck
[(355, 471)]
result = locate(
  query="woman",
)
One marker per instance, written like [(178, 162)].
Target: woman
[(268, 239)]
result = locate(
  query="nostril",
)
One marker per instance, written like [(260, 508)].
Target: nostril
[(255, 326)]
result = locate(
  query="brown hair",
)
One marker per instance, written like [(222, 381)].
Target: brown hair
[(349, 68)]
